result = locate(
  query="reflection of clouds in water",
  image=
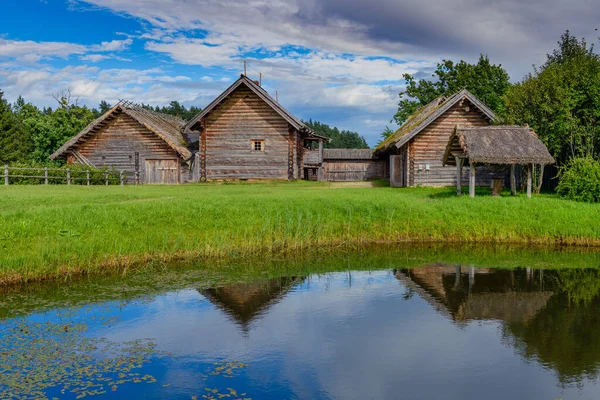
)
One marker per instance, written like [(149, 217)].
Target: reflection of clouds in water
[(330, 338)]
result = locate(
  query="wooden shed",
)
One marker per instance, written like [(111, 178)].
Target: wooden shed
[(495, 145), (352, 165), (416, 150), (246, 134), (148, 146)]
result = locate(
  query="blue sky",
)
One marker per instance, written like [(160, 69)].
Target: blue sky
[(337, 61)]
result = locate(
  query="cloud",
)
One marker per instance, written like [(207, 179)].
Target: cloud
[(30, 51)]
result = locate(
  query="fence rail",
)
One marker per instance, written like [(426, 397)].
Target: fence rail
[(70, 176)]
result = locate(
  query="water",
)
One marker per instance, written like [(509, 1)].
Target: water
[(436, 330)]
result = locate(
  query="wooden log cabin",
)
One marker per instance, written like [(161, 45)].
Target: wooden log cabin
[(415, 152), (148, 146), (246, 134)]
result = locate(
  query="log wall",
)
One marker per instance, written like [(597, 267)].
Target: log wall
[(354, 170), (429, 146), (229, 130), (114, 146)]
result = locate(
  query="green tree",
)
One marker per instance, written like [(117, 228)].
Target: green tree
[(51, 130), (14, 141), (103, 107), (561, 101), (338, 139), (488, 82), (387, 132)]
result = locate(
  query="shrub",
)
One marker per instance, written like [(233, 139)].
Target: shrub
[(580, 180), (58, 174)]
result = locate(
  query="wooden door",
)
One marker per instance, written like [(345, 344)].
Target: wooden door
[(161, 172)]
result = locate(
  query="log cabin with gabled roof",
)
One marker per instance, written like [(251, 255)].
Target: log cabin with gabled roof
[(147, 146), (416, 150), (246, 134)]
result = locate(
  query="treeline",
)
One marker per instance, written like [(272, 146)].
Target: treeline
[(29, 134), (560, 100), (339, 139)]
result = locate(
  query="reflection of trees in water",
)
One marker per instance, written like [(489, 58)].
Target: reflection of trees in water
[(551, 316), (565, 334)]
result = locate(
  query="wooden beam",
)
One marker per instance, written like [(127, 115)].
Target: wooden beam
[(529, 180), (472, 181), (320, 151), (459, 162), (513, 180)]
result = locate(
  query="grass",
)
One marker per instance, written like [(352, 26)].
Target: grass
[(50, 231)]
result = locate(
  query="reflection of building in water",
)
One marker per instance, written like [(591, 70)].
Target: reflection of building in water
[(244, 302), (464, 294)]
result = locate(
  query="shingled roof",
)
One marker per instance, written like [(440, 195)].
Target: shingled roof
[(262, 93), (167, 127), (502, 144), (428, 114)]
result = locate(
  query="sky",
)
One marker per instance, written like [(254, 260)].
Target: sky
[(337, 61)]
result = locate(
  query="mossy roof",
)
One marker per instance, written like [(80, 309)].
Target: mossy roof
[(427, 114)]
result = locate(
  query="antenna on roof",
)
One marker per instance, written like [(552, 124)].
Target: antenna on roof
[(277, 96), (245, 68)]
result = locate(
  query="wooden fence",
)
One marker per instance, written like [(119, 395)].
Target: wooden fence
[(68, 176)]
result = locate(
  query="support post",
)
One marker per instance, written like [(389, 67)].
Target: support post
[(87, 176), (472, 181), (513, 180), (68, 176), (106, 177), (459, 162), (457, 277), (121, 178), (320, 151), (471, 277), (45, 175), (529, 180), (6, 175)]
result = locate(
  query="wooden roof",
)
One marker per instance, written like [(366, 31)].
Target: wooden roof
[(426, 115), (347, 154), (167, 127), (502, 144), (260, 92)]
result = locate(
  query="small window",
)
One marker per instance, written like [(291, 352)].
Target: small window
[(258, 145)]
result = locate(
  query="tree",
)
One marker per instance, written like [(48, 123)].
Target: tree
[(14, 143), (561, 101), (387, 132), (338, 139), (488, 82), (104, 107)]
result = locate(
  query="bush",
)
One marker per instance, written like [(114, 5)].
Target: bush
[(58, 174), (580, 180)]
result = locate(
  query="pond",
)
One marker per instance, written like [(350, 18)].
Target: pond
[(426, 323)]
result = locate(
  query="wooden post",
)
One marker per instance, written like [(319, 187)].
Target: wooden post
[(472, 181), (137, 177), (471, 277), (320, 151), (513, 180), (106, 177), (121, 178), (529, 180), (45, 175), (68, 176), (457, 277), (87, 176), (6, 175), (459, 162)]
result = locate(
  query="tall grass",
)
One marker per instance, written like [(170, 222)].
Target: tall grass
[(59, 230)]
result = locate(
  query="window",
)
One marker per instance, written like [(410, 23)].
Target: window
[(258, 145)]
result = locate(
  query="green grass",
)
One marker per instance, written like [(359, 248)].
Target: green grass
[(59, 230)]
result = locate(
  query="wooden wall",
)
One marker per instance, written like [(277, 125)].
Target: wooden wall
[(229, 130), (354, 170), (429, 145), (115, 145)]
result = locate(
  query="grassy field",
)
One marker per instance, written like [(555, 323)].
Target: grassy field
[(59, 230)]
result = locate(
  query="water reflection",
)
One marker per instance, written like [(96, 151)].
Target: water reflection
[(244, 302), (465, 294), (436, 330)]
